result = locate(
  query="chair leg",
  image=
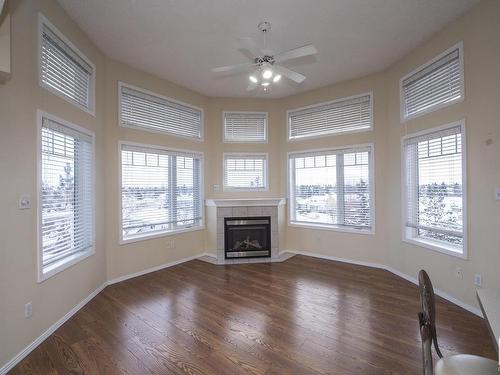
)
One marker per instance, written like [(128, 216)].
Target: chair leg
[(435, 341)]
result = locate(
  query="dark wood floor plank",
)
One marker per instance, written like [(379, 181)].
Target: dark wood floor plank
[(303, 316)]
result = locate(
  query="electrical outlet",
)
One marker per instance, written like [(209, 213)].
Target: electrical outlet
[(24, 202), (460, 273), (478, 280), (170, 244), (28, 310), (497, 194)]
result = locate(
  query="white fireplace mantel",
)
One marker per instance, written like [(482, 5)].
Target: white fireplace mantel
[(270, 202)]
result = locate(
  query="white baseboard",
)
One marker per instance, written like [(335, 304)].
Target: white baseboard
[(446, 296), (283, 255), (27, 350), (152, 269)]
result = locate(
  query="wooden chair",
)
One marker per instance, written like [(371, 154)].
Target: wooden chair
[(460, 364)]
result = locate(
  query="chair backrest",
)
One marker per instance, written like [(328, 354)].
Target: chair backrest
[(426, 335), (428, 306)]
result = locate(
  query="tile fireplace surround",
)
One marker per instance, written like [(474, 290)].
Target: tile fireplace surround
[(218, 209)]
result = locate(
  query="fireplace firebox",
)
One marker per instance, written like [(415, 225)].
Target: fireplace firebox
[(247, 237)]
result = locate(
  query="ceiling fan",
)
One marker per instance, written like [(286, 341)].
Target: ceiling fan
[(265, 66)]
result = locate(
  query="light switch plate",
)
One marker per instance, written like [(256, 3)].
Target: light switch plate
[(216, 187), (24, 202), (497, 194)]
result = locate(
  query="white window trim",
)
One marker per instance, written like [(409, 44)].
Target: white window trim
[(370, 93), (42, 20), (144, 237), (430, 244), (76, 258), (266, 133), (152, 93), (266, 172), (334, 227), (402, 107)]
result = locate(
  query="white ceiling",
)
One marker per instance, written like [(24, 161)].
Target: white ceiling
[(181, 40)]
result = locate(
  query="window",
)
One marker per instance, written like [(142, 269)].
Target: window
[(332, 188), (436, 84), (434, 189), (66, 189), (64, 70), (245, 127), (161, 191), (245, 172), (345, 115), (145, 110)]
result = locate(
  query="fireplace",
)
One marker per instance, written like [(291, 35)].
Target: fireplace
[(247, 237)]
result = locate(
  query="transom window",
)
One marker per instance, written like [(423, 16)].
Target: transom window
[(145, 110), (161, 191), (66, 226), (64, 70), (332, 188), (436, 84), (245, 172), (344, 115), (245, 127), (434, 171)]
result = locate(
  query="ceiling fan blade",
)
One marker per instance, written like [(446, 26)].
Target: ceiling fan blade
[(296, 53), (290, 74), (250, 45), (237, 68)]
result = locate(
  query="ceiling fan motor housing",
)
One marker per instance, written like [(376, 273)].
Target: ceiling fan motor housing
[(266, 59), (264, 26)]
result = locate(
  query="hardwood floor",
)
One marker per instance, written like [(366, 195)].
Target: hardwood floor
[(303, 316)]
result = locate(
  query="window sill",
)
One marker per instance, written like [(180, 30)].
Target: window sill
[(437, 246), (146, 237), (332, 228), (243, 190), (63, 264)]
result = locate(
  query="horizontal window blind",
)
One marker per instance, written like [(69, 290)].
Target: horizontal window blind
[(161, 191), (245, 172), (245, 127), (434, 186), (63, 69), (332, 188), (340, 116), (66, 192), (435, 84), (147, 111)]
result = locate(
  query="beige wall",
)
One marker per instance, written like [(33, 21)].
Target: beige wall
[(137, 256), (20, 97), (217, 147), (360, 247), (480, 32)]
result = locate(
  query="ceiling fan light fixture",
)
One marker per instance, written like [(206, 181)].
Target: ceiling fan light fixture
[(265, 84), (266, 74), (253, 79), (276, 78)]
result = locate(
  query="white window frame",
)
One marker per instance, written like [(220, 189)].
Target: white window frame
[(250, 155), (152, 93), (76, 258), (42, 20), (403, 117), (334, 227), (369, 93), (166, 233), (266, 126), (430, 244)]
